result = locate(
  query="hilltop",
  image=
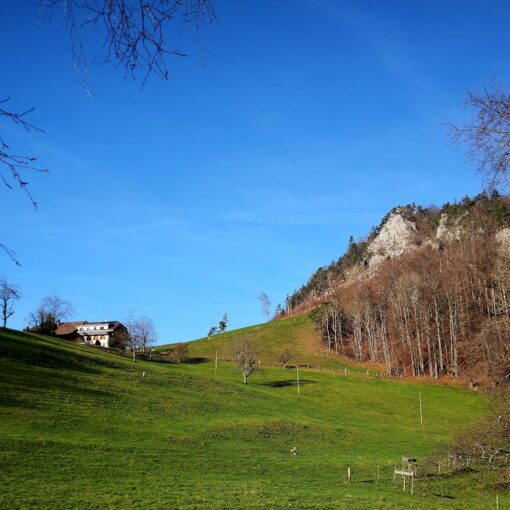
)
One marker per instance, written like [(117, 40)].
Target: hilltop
[(85, 428)]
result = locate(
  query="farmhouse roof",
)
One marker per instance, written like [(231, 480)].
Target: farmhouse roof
[(66, 328), (111, 324)]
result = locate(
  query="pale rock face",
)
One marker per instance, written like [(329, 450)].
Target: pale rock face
[(395, 238), (449, 231), (503, 238)]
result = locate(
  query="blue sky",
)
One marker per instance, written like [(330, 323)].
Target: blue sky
[(304, 123)]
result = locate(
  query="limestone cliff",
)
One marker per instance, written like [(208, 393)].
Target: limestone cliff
[(397, 235)]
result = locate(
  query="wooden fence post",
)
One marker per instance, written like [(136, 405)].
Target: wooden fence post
[(349, 478)]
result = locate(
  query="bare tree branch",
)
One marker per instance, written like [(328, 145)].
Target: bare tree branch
[(10, 254), (487, 134), (132, 33), (13, 167)]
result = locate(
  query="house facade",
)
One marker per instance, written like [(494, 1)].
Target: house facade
[(104, 334), (110, 334)]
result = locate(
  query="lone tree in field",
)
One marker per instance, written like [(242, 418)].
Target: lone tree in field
[(285, 357), (132, 342), (141, 334), (146, 331), (9, 293), (487, 134), (51, 311), (244, 354), (265, 304)]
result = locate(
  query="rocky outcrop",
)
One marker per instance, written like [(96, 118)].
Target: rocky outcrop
[(449, 229), (503, 239), (396, 237)]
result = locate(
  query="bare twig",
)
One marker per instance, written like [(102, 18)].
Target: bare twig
[(487, 134), (13, 167), (132, 33), (10, 254)]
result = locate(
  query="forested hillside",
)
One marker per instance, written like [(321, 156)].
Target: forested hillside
[(427, 293)]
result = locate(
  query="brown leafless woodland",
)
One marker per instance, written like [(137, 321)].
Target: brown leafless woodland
[(431, 312)]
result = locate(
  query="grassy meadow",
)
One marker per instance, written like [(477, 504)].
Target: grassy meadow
[(85, 428), (297, 334)]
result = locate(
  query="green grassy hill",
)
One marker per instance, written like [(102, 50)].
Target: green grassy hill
[(84, 428), (298, 334)]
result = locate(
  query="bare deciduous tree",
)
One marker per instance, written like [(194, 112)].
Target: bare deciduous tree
[(51, 311), (487, 134), (179, 353), (9, 293), (265, 304), (141, 334), (487, 444), (285, 357), (243, 352), (132, 341)]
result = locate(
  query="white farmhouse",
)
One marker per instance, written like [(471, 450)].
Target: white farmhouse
[(104, 334)]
